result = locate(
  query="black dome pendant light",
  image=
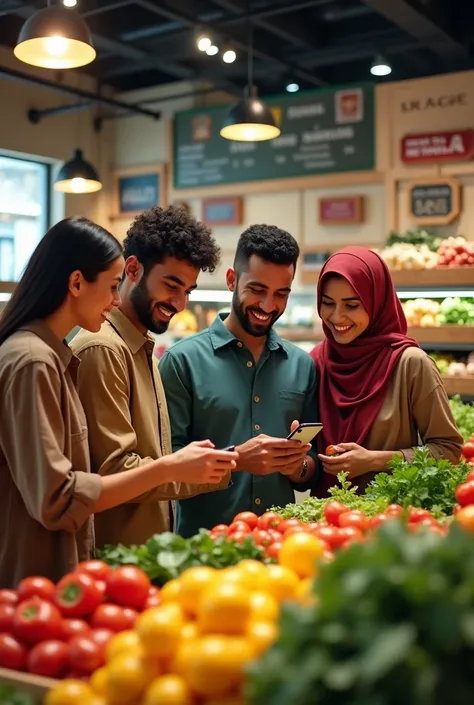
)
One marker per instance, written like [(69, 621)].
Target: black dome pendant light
[(250, 120), (55, 38), (77, 176)]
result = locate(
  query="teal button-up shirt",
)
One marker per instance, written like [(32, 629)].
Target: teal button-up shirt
[(215, 390)]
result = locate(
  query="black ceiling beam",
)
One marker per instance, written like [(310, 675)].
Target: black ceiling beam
[(191, 21), (353, 44), (78, 92), (422, 24), (291, 32)]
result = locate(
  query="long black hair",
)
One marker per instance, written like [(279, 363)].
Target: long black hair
[(72, 244)]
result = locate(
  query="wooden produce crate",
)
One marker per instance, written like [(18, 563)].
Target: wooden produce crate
[(459, 277), (36, 686), (456, 335), (463, 386)]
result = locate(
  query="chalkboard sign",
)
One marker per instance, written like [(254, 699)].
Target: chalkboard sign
[(137, 189), (434, 202), (222, 211), (323, 131)]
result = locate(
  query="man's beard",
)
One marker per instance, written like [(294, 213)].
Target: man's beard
[(243, 316), (142, 303)]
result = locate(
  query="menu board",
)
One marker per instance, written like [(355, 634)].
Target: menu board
[(322, 132)]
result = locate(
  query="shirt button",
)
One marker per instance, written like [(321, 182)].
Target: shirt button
[(257, 427), (258, 501), (239, 344), (249, 363), (256, 399)]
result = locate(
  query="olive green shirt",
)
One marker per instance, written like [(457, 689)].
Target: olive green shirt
[(215, 390)]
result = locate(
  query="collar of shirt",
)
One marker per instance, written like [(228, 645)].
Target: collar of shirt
[(60, 347), (221, 336), (129, 333)]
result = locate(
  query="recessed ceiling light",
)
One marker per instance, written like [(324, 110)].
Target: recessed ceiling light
[(203, 43), (229, 56), (292, 87), (212, 50)]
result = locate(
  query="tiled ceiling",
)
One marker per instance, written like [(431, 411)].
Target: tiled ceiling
[(143, 43)]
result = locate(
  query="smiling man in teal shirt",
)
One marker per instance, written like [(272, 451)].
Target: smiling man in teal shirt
[(239, 384)]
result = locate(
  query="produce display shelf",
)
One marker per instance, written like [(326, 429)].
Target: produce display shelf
[(449, 277), (36, 686), (464, 386), (450, 335)]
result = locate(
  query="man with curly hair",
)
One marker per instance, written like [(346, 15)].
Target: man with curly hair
[(119, 383), (239, 384)]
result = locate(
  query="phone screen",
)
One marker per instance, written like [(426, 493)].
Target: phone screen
[(306, 432)]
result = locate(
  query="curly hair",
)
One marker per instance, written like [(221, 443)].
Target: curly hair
[(268, 242), (158, 233)]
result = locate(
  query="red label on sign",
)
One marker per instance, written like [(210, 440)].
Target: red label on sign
[(340, 210), (438, 147)]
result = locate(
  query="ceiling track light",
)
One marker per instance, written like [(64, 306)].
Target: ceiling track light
[(203, 42), (229, 56), (250, 120), (77, 176), (380, 67), (55, 38)]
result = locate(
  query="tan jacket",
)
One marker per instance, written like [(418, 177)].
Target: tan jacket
[(125, 404), (47, 492)]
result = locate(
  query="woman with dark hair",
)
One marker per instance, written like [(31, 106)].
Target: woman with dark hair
[(380, 395), (47, 492)]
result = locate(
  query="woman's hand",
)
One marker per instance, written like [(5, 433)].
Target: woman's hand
[(353, 459)]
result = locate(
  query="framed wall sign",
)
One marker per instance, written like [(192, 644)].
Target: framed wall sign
[(434, 201), (138, 188), (222, 211), (341, 210), (437, 147)]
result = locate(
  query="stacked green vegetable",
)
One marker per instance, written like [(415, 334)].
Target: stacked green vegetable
[(166, 556), (415, 237), (456, 311), (425, 482), (463, 416), (393, 623)]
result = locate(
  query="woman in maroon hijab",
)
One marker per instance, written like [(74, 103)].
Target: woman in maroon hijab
[(380, 394)]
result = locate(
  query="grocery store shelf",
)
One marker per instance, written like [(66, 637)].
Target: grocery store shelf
[(36, 686), (459, 385), (445, 335), (436, 278), (300, 335)]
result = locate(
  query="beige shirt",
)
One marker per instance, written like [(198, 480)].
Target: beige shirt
[(125, 404), (415, 412), (47, 492)]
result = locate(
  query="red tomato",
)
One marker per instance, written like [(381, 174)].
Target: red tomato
[(415, 515), (49, 659), (295, 530), (270, 520), (95, 568), (468, 450), (29, 587), (239, 536), (274, 535), (36, 620), (262, 538), (101, 637), (238, 526), (85, 655), (8, 597), (128, 586), (12, 653), (113, 617), (350, 533), (465, 517), (331, 451), (7, 612), (456, 508), (73, 627), (430, 522), (77, 595), (153, 599), (331, 535), (220, 530), (248, 518), (465, 493), (354, 518), (332, 512), (273, 549), (378, 520), (287, 524), (394, 510)]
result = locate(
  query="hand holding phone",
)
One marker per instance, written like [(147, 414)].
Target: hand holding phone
[(305, 432)]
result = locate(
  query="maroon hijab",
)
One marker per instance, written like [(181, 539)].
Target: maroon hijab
[(353, 378)]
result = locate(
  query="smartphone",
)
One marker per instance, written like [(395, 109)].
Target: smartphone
[(306, 432)]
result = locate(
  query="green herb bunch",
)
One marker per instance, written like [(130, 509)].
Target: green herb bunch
[(463, 416), (166, 556), (393, 623)]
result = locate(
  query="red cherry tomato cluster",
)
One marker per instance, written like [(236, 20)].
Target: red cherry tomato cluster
[(62, 630), (464, 509)]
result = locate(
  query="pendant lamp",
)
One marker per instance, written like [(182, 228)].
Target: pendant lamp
[(77, 176), (250, 120), (55, 38)]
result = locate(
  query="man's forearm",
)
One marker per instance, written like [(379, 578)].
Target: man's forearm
[(302, 477)]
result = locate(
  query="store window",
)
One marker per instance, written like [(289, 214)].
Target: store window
[(24, 212)]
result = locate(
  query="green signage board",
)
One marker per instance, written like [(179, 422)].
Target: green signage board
[(322, 132)]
